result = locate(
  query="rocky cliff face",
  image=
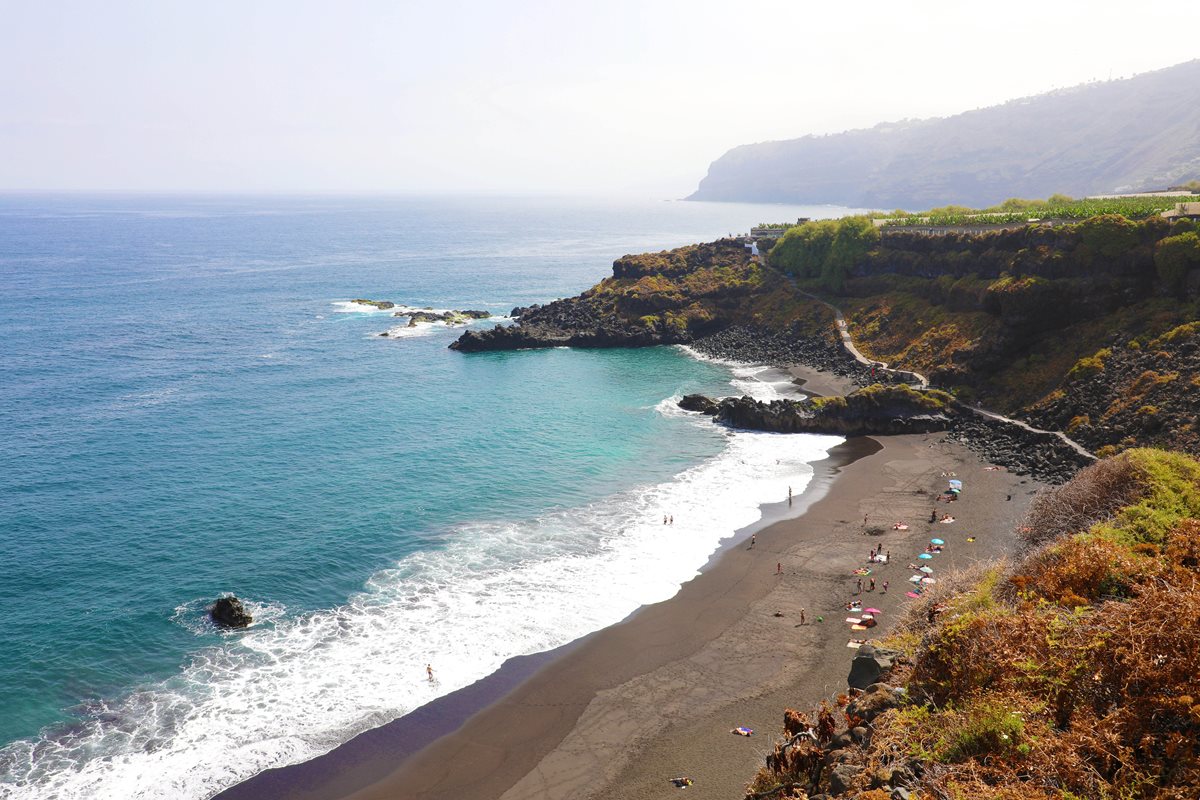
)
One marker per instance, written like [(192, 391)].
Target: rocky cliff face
[(671, 297)]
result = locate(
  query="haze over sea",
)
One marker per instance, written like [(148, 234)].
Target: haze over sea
[(190, 406)]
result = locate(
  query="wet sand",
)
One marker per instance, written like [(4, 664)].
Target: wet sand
[(618, 713)]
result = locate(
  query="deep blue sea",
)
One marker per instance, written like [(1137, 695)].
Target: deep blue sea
[(190, 405)]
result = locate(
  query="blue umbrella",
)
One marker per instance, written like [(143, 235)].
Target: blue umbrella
[(936, 541), (924, 555)]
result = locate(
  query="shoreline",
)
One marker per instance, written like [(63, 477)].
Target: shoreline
[(574, 721), (377, 752)]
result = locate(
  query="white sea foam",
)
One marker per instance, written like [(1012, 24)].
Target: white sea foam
[(350, 307), (297, 686)]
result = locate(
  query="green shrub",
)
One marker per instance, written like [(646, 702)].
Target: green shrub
[(1089, 365), (1174, 257)]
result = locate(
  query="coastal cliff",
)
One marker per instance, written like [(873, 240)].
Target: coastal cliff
[(1123, 135), (670, 297)]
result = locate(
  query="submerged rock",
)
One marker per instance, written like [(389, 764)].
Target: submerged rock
[(230, 613)]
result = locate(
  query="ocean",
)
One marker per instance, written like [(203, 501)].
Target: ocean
[(191, 405)]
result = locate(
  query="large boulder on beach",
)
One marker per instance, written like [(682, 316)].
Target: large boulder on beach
[(229, 612)]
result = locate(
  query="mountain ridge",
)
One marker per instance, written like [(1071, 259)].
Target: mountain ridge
[(1130, 134)]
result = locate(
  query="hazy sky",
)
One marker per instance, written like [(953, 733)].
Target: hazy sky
[(618, 96)]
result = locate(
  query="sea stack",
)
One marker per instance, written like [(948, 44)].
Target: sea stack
[(228, 612)]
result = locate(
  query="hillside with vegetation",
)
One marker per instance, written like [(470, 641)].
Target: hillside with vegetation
[(1065, 673), (1077, 326), (1099, 138)]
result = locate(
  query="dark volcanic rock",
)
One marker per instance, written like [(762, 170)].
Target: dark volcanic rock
[(519, 337), (230, 613), (755, 345), (870, 663), (874, 410), (1041, 455), (698, 402), (382, 305)]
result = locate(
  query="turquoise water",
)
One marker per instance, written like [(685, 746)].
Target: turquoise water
[(190, 407)]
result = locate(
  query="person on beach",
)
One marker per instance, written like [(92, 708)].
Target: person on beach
[(779, 568), (885, 587), (802, 616), (429, 672), (860, 585), (664, 519), (671, 520), (872, 585), (789, 495), (753, 539)]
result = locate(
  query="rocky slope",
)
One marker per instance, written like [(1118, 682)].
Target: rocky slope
[(1132, 134), (1132, 393), (671, 297)]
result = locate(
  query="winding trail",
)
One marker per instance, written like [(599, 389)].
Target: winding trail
[(919, 381)]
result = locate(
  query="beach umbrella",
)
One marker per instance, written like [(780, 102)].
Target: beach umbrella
[(925, 555), (927, 570), (936, 541), (873, 611)]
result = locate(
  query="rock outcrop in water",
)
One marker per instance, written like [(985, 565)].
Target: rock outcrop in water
[(229, 612), (382, 305)]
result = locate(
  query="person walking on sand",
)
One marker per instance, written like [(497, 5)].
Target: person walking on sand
[(802, 616), (779, 568), (789, 495), (885, 587), (429, 672), (671, 520), (860, 585), (753, 539), (664, 519), (872, 585)]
